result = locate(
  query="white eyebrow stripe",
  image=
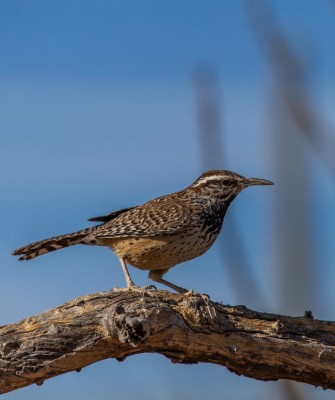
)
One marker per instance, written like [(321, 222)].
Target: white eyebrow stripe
[(208, 179)]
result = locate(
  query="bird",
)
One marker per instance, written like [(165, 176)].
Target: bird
[(162, 232)]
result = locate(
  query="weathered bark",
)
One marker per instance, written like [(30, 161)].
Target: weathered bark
[(184, 328)]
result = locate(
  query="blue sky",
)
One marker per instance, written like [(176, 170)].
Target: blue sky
[(124, 39), (98, 112)]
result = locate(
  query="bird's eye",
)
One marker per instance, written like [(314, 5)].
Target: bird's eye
[(228, 182)]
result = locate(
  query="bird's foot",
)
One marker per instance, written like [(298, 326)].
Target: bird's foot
[(190, 293), (204, 301), (205, 297), (144, 290), (148, 289)]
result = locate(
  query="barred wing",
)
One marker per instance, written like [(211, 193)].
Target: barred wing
[(161, 216)]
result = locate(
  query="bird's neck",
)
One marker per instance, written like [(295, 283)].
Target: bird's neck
[(214, 202)]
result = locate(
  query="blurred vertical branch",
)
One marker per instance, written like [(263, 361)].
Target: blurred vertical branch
[(239, 269), (292, 113), (294, 242), (209, 105), (292, 78), (208, 117)]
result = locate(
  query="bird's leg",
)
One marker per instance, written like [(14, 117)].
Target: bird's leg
[(156, 275), (172, 286), (129, 282)]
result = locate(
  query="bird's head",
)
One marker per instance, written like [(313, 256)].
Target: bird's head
[(225, 184)]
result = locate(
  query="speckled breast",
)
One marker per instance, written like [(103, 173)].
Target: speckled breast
[(163, 252)]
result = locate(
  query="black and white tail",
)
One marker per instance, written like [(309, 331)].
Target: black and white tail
[(55, 243)]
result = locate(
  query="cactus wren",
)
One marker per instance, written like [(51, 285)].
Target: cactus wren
[(161, 233)]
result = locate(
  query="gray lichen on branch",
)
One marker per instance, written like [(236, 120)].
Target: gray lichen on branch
[(184, 328)]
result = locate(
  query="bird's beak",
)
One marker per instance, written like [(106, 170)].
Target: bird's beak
[(255, 181)]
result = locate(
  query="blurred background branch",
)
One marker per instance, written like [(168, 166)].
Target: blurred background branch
[(235, 258), (211, 136), (292, 74)]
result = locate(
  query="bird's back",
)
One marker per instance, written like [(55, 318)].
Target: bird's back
[(164, 215)]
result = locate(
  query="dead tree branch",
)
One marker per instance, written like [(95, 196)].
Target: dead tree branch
[(184, 328)]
